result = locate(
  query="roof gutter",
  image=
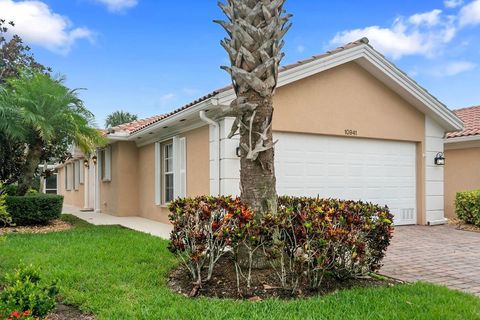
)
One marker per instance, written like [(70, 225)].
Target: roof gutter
[(175, 118), (462, 139)]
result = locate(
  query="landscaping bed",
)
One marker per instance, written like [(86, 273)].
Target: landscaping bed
[(460, 225), (66, 312), (54, 226), (265, 284), (116, 273)]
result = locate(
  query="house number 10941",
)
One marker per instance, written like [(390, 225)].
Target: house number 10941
[(350, 132)]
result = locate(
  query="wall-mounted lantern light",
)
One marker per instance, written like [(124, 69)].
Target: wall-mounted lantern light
[(94, 159), (238, 151), (85, 163), (440, 159)]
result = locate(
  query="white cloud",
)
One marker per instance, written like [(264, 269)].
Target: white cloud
[(457, 67), (118, 5), (36, 24), (431, 18), (419, 34), (300, 49), (453, 3), (470, 14)]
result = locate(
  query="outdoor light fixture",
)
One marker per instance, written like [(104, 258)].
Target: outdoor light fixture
[(94, 159), (440, 159), (238, 152), (85, 163)]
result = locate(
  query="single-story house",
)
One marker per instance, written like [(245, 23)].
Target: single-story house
[(462, 155), (350, 125)]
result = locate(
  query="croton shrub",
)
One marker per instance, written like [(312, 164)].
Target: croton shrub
[(467, 206), (306, 240)]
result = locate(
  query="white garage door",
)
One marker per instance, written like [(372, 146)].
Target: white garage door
[(377, 171)]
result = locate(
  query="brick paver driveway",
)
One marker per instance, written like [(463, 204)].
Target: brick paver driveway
[(441, 255)]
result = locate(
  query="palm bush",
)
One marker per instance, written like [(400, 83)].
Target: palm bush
[(47, 116)]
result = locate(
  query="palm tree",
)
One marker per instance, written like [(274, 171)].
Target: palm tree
[(119, 117), (43, 112), (254, 44)]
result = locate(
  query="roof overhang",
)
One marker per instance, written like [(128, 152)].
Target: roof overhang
[(465, 142), (367, 57), (187, 119)]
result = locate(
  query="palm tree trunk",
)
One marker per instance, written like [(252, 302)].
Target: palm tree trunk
[(34, 155), (254, 45), (257, 177)]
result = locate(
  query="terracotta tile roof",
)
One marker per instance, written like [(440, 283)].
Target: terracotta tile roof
[(138, 125), (471, 119)]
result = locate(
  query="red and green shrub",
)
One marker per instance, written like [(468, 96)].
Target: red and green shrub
[(308, 238), (14, 315), (203, 228), (25, 296)]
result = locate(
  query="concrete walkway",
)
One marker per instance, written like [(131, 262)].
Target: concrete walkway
[(441, 255), (154, 228)]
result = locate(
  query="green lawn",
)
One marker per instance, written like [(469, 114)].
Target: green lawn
[(120, 274)]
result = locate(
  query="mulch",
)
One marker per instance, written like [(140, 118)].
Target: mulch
[(265, 284), (54, 226), (460, 225), (66, 312)]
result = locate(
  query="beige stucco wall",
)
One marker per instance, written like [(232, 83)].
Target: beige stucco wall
[(120, 195), (346, 98), (71, 197), (198, 173), (198, 162), (349, 98), (462, 173)]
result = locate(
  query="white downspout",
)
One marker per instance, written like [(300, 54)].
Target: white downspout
[(216, 125), (98, 181), (86, 182)]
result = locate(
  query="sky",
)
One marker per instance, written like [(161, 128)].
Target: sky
[(149, 57)]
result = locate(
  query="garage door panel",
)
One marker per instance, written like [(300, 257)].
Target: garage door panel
[(377, 171)]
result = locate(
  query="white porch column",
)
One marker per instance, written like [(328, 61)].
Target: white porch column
[(229, 162), (434, 174)]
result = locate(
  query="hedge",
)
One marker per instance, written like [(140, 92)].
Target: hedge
[(308, 238), (36, 209), (467, 206)]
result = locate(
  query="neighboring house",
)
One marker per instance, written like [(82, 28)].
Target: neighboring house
[(350, 125), (462, 154)]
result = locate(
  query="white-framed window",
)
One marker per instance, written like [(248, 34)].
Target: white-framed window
[(170, 170), (76, 175), (105, 163), (168, 173)]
